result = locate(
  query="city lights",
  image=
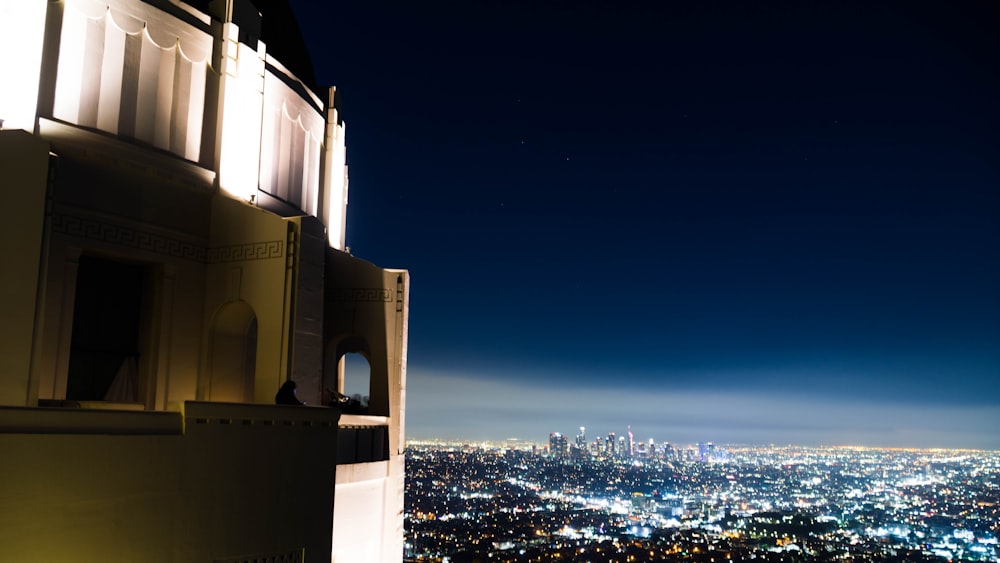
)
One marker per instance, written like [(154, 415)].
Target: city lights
[(765, 503)]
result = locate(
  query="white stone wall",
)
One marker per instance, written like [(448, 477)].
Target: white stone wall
[(291, 142), (129, 69)]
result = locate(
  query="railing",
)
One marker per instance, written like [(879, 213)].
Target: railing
[(362, 444), (92, 417), (255, 415), (294, 556)]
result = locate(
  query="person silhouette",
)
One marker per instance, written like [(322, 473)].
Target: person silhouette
[(286, 394)]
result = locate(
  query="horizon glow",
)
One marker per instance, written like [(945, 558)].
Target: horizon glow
[(684, 417)]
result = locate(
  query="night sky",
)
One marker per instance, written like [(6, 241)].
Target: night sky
[(729, 222)]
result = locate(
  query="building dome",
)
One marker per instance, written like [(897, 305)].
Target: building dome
[(280, 32)]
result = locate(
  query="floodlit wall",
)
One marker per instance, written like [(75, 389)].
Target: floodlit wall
[(252, 264), (22, 26), (368, 511), (291, 146), (143, 208), (358, 522), (214, 482), (133, 70)]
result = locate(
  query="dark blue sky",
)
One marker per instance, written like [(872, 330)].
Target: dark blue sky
[(600, 201)]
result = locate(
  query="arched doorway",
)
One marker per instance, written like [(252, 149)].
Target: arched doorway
[(348, 368), (356, 377), (232, 359)]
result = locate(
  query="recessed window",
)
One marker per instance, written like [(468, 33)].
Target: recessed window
[(105, 344), (357, 374)]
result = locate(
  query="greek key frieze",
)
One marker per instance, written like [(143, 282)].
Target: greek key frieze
[(249, 251), (146, 241), (120, 235)]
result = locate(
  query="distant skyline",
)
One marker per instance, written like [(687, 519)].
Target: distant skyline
[(725, 222), (491, 409)]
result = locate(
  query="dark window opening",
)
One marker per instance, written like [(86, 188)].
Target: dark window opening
[(104, 351)]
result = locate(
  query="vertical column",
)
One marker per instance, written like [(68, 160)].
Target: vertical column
[(25, 162), (241, 99), (307, 367), (334, 180), (402, 336), (395, 483), (64, 339), (109, 86), (22, 40), (288, 309), (38, 337), (158, 386)]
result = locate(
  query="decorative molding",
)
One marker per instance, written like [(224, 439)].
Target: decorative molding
[(119, 235), (146, 241), (262, 250), (362, 294)]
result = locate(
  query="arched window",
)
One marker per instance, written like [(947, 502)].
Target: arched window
[(356, 377), (232, 358)]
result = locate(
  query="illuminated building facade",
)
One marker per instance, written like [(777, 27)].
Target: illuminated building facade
[(176, 189), (558, 445)]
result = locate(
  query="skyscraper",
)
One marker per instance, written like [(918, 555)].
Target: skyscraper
[(558, 445), (668, 451)]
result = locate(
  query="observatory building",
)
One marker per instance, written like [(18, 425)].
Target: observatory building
[(174, 187)]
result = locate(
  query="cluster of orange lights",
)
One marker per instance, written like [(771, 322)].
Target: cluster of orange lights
[(425, 515)]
